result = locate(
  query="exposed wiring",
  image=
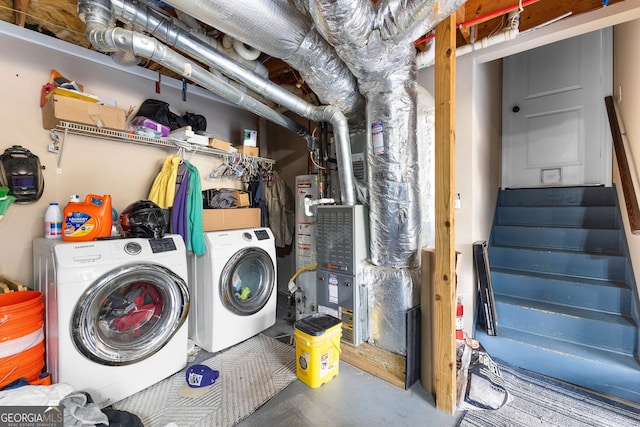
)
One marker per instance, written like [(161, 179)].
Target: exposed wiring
[(314, 162)]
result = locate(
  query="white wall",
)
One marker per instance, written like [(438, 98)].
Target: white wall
[(626, 63), (125, 171), (477, 168)]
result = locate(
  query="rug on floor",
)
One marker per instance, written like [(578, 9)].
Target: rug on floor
[(543, 401), (251, 373)]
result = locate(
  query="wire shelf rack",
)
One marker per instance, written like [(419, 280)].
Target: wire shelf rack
[(66, 128)]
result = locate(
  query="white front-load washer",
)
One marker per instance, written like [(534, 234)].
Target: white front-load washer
[(116, 312), (233, 287)]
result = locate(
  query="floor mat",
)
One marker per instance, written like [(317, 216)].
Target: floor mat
[(251, 373), (542, 401)]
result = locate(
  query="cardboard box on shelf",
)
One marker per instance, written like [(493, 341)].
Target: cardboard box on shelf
[(63, 108), (220, 144), (250, 138), (230, 219), (249, 151), (242, 198)]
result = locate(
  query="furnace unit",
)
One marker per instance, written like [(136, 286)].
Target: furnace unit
[(342, 243)]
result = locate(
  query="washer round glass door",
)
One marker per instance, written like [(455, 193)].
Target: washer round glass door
[(247, 281), (129, 314)]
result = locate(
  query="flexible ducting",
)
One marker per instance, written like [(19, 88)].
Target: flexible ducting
[(157, 25), (279, 29), (375, 41), (402, 21)]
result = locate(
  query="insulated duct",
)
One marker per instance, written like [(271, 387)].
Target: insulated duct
[(155, 24), (98, 18), (152, 19), (376, 43), (279, 29)]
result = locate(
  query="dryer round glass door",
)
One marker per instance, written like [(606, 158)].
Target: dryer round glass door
[(247, 281), (129, 314)]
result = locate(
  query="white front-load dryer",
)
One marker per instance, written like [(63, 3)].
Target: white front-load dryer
[(233, 287), (116, 312)]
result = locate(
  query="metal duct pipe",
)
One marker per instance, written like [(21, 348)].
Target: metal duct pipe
[(279, 29), (151, 20), (97, 17), (154, 23)]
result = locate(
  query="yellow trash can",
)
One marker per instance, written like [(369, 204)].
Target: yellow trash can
[(317, 349)]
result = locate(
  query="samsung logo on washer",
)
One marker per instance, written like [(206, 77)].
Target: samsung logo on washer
[(83, 246)]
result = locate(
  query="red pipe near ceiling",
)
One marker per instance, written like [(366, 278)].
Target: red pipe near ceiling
[(484, 17)]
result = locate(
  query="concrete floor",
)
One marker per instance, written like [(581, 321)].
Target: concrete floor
[(353, 398)]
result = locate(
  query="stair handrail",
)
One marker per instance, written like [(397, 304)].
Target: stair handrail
[(626, 178)]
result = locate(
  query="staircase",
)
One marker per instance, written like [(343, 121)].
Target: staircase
[(564, 288)]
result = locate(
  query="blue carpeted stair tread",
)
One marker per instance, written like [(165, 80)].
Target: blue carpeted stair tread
[(596, 294), (560, 277), (595, 240), (567, 196), (552, 345), (564, 288), (562, 216), (564, 310)]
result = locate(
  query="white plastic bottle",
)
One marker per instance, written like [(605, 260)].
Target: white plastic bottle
[(53, 222)]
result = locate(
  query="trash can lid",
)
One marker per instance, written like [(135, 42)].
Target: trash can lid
[(317, 324)]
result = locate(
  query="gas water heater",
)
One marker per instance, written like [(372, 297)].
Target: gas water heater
[(305, 294)]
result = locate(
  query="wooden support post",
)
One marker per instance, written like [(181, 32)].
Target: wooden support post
[(443, 296)]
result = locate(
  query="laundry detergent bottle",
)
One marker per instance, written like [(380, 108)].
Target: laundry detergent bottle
[(88, 220)]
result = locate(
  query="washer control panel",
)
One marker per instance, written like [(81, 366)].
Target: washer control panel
[(261, 234), (162, 245)]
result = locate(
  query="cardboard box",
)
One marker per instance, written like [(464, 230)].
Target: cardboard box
[(249, 151), (242, 198), (220, 144), (230, 219), (250, 138), (63, 108)]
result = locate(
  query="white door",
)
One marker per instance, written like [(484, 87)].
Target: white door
[(554, 125)]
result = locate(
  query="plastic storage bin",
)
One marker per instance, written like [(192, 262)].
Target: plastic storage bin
[(317, 349)]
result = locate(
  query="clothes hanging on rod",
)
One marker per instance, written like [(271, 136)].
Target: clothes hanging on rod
[(163, 191), (194, 212), (256, 189), (281, 208), (179, 224)]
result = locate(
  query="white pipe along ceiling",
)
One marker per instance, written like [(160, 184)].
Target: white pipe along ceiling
[(359, 59)]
